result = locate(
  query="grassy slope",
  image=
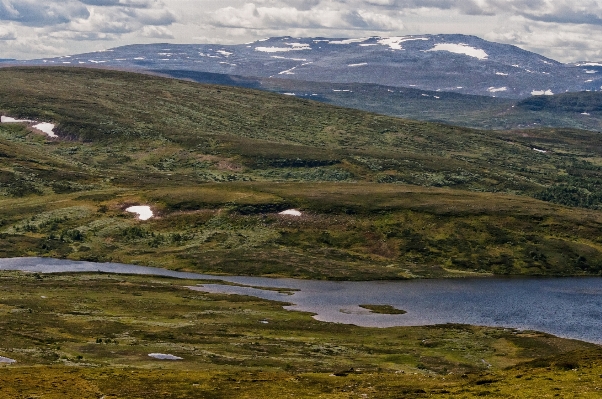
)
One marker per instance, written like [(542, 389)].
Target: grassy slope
[(217, 163), (89, 336), (482, 112)]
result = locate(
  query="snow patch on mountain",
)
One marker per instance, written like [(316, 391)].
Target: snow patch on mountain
[(293, 47), (461, 48), (395, 42), (347, 41), (278, 57), (542, 93)]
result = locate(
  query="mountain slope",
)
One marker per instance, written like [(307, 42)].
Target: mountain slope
[(452, 63), (381, 197)]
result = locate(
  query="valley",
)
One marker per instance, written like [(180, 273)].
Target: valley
[(380, 198)]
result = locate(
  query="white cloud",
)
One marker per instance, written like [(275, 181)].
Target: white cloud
[(8, 33), (87, 15), (558, 41), (250, 16), (157, 32)]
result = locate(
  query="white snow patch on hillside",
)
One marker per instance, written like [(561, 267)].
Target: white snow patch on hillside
[(538, 150), (291, 212), (46, 127), (7, 360), (590, 64), (288, 71), (496, 89), (395, 42), (144, 211), (542, 93), (294, 47), (286, 58), (348, 41), (299, 46), (8, 119), (461, 48), (356, 65)]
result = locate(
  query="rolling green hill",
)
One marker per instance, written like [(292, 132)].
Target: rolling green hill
[(575, 110), (382, 197)]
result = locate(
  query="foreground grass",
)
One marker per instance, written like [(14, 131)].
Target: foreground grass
[(90, 335)]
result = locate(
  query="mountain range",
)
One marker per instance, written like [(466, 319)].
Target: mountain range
[(446, 63)]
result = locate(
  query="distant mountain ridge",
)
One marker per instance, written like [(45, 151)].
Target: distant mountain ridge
[(447, 63)]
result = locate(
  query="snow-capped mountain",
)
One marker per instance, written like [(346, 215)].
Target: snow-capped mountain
[(447, 63)]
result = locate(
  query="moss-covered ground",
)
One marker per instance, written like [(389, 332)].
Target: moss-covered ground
[(89, 336)]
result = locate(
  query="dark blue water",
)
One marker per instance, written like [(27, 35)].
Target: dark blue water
[(567, 307)]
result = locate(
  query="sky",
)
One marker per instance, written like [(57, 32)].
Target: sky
[(564, 30)]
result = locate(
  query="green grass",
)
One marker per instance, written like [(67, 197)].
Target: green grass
[(90, 336), (383, 198)]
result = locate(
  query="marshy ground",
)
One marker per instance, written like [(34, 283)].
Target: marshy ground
[(90, 336)]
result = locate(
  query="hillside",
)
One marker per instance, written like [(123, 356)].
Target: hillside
[(381, 197), (578, 109)]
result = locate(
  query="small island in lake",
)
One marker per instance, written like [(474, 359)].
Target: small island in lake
[(383, 309)]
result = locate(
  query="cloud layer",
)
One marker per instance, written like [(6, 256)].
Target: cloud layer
[(562, 29)]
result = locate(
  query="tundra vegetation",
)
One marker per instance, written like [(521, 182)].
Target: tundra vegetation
[(381, 198), (89, 336)]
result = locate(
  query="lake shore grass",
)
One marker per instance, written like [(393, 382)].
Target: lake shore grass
[(90, 335)]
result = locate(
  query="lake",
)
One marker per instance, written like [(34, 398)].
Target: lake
[(567, 307)]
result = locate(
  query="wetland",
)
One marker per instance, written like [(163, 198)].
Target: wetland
[(566, 307)]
